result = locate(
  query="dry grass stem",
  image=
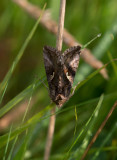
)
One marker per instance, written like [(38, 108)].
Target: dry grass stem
[(99, 130), (59, 47), (50, 134), (68, 39), (61, 25)]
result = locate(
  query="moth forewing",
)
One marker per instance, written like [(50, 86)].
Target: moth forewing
[(60, 70)]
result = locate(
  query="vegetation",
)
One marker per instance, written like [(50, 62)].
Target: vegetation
[(24, 99)]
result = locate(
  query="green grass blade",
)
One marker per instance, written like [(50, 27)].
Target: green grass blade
[(18, 57), (114, 128), (4, 91), (8, 140), (98, 51), (87, 123), (13, 145), (26, 92), (84, 46), (21, 152), (113, 63), (33, 87), (89, 77), (95, 100), (85, 142), (106, 41), (22, 149), (36, 118)]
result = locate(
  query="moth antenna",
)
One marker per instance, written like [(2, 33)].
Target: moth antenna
[(84, 46)]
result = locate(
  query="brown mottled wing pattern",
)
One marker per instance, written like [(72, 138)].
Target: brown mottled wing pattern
[(60, 70), (50, 60), (71, 61)]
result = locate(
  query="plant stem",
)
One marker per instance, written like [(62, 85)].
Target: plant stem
[(59, 47), (68, 38), (61, 25), (50, 134), (99, 130)]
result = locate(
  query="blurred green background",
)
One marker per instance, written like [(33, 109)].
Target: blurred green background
[(84, 20)]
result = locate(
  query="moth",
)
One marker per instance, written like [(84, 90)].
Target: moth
[(60, 71)]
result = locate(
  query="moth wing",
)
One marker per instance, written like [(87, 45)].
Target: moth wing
[(71, 60), (50, 55)]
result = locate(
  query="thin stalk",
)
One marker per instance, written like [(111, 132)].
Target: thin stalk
[(99, 130), (59, 47)]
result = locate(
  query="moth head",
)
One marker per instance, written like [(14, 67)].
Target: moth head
[(60, 100)]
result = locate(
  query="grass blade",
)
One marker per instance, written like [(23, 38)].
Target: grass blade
[(85, 142), (21, 152), (90, 76), (114, 128), (36, 118), (18, 98), (87, 123), (4, 83), (98, 51), (8, 140), (13, 145), (113, 63)]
